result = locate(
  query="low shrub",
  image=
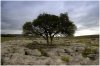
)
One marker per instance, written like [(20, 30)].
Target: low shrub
[(92, 56), (12, 50), (65, 58), (43, 53), (87, 51), (95, 45), (32, 45)]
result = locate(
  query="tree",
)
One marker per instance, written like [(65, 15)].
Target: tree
[(47, 26)]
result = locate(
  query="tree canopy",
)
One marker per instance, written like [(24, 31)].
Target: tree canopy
[(48, 25)]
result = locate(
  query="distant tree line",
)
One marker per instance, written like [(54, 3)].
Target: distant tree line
[(88, 36), (10, 35)]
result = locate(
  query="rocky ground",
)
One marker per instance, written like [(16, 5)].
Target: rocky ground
[(17, 52)]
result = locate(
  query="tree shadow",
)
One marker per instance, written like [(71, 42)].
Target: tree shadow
[(37, 45)]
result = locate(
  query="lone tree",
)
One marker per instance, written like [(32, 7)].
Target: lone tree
[(47, 26)]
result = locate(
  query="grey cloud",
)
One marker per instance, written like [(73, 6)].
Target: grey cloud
[(91, 19), (14, 14), (87, 16)]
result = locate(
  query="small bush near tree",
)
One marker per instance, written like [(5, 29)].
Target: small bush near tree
[(65, 58), (43, 53)]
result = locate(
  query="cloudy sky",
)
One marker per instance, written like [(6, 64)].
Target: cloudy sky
[(85, 14)]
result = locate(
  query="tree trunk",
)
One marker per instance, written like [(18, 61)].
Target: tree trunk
[(51, 38), (47, 40)]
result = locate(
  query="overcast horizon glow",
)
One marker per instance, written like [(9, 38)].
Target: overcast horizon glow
[(84, 14)]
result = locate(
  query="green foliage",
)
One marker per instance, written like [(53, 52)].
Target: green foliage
[(27, 27), (43, 53), (88, 51), (66, 26), (32, 45), (47, 26), (96, 44), (7, 38), (65, 58)]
